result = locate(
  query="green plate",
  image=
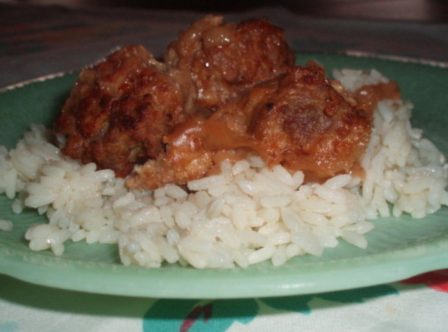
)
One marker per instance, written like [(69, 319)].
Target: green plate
[(398, 248)]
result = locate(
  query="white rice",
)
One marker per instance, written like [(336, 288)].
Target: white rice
[(245, 215), (5, 225)]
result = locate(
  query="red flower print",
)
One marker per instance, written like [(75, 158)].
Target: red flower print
[(437, 280), (195, 314)]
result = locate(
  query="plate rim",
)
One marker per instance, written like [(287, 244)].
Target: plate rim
[(280, 290), (347, 52), (411, 263)]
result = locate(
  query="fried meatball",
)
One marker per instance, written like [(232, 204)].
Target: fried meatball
[(307, 125), (221, 59), (119, 110)]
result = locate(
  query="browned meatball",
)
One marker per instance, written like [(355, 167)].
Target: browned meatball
[(119, 110), (221, 59), (307, 125)]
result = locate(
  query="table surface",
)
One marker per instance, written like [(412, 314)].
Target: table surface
[(39, 40)]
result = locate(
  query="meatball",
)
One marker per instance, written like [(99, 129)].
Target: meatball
[(119, 110), (307, 125), (222, 59)]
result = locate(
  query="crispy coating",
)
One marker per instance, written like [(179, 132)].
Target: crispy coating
[(119, 110), (222, 59), (298, 120)]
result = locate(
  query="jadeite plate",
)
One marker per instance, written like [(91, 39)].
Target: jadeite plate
[(398, 248)]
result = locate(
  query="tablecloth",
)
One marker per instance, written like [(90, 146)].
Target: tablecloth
[(36, 41), (414, 305)]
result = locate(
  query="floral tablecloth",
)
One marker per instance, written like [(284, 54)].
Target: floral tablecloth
[(416, 304)]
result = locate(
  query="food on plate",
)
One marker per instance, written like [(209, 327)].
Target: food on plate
[(218, 60), (222, 155), (298, 120), (119, 110)]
